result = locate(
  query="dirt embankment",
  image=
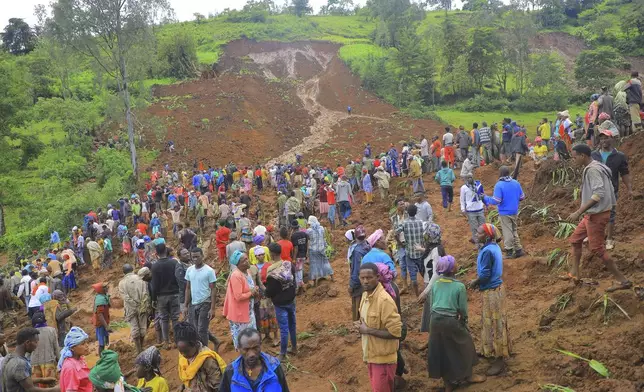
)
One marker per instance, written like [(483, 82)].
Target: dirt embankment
[(308, 98)]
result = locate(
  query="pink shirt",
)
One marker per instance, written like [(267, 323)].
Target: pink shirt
[(74, 376)]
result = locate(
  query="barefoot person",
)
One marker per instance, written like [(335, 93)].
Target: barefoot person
[(451, 353), (495, 335), (597, 200)]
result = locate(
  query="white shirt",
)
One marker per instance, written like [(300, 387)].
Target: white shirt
[(24, 286), (469, 201), (424, 150), (260, 230), (34, 300), (425, 213), (448, 139)]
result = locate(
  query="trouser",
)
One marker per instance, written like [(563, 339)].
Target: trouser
[(168, 308), (464, 153), (417, 184), (634, 110), (260, 184), (447, 191), (475, 219), (487, 153), (381, 376), (415, 266), (107, 259), (592, 226), (138, 324), (345, 210), (331, 214), (426, 164), (435, 163), (517, 165), (402, 260), (384, 193), (198, 317), (286, 320), (509, 228), (476, 155), (449, 155), (394, 168), (354, 183)]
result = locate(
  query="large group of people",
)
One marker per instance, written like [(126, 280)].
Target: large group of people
[(170, 280)]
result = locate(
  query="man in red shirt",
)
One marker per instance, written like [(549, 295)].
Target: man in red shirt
[(222, 236), (330, 199), (287, 246), (258, 178), (142, 227)]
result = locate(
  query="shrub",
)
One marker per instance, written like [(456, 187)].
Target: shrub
[(64, 162), (483, 103), (178, 53)]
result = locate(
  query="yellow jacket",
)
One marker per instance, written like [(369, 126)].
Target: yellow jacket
[(381, 313), (414, 169)]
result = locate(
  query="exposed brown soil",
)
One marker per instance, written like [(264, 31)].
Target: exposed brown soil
[(318, 85)]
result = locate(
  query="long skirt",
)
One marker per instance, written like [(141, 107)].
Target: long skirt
[(69, 281), (324, 207), (267, 319), (320, 267), (450, 353), (236, 328), (495, 334)]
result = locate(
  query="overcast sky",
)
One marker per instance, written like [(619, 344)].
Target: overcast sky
[(183, 8)]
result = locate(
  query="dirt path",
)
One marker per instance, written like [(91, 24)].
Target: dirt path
[(308, 92)]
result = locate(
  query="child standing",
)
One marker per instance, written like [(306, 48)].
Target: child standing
[(445, 178), (101, 318)]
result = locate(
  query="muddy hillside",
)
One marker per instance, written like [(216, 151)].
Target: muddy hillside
[(273, 100)]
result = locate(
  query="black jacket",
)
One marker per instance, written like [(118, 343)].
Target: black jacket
[(280, 295), (164, 281)]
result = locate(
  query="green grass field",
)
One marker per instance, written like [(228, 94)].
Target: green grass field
[(529, 120)]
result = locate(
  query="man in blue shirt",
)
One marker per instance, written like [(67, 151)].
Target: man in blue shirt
[(360, 249), (507, 196), (201, 296)]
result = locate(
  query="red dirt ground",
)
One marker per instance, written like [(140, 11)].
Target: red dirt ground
[(333, 353)]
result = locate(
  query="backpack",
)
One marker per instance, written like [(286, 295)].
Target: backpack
[(204, 182)]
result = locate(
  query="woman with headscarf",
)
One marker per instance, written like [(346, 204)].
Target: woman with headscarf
[(148, 370), (106, 375), (46, 354), (200, 368), (95, 253), (58, 310), (450, 354), (239, 301), (264, 309), (495, 335), (622, 114), (319, 262), (565, 128), (377, 252), (431, 256), (74, 373), (258, 240)]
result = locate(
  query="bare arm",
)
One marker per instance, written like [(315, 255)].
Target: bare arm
[(188, 295)]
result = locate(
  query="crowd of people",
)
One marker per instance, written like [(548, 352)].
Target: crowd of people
[(266, 261)]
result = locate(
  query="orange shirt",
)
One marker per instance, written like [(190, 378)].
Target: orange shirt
[(142, 227), (287, 248), (222, 236), (437, 148), (330, 196), (340, 171)]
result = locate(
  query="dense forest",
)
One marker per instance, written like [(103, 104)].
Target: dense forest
[(71, 85)]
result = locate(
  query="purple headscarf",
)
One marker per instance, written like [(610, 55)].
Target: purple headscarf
[(445, 264), (385, 276)]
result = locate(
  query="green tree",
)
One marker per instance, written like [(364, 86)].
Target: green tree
[(633, 20), (551, 14), (453, 45), (517, 29), (17, 37), (593, 68), (301, 7), (547, 72), (393, 17), (179, 52), (337, 7), (482, 53), (109, 32)]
